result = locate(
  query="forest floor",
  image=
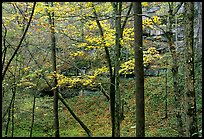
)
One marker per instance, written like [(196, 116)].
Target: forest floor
[(94, 112)]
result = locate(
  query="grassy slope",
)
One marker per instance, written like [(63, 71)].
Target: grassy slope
[(94, 112)]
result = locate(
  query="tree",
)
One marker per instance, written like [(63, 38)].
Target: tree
[(94, 47), (139, 70), (108, 59), (17, 48), (175, 67), (54, 69), (74, 115), (192, 129), (33, 116), (117, 12), (112, 75)]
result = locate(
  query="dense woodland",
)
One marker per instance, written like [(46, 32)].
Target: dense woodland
[(101, 69)]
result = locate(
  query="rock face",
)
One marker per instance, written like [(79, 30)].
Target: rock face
[(198, 28)]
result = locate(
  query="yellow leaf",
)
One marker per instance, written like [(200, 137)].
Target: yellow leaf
[(145, 4)]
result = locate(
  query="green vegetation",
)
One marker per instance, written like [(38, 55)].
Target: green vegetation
[(94, 112), (94, 55)]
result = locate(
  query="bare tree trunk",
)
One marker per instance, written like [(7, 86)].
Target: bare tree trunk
[(175, 71), (12, 104), (9, 118), (9, 113), (54, 69), (12, 111), (192, 129), (166, 90), (74, 115), (33, 117), (112, 74), (81, 23), (67, 106), (117, 9), (139, 70)]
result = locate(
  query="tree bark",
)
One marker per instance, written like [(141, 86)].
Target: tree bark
[(175, 67), (54, 69), (192, 129), (139, 70), (117, 9), (9, 112), (33, 116), (13, 107), (112, 74), (166, 90), (74, 115), (66, 104)]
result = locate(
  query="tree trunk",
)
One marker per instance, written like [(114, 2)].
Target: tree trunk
[(112, 74), (74, 115), (117, 9), (53, 59), (166, 90), (192, 129), (9, 112), (174, 71), (12, 112), (33, 116), (82, 22), (9, 118), (139, 70)]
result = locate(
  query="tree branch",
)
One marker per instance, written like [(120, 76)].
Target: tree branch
[(66, 104), (15, 5), (74, 115), (126, 17), (177, 8), (154, 23), (102, 36), (19, 45), (104, 92), (5, 47)]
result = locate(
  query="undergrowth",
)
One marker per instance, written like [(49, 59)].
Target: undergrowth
[(94, 112)]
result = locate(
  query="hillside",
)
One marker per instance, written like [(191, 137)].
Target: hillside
[(94, 112)]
